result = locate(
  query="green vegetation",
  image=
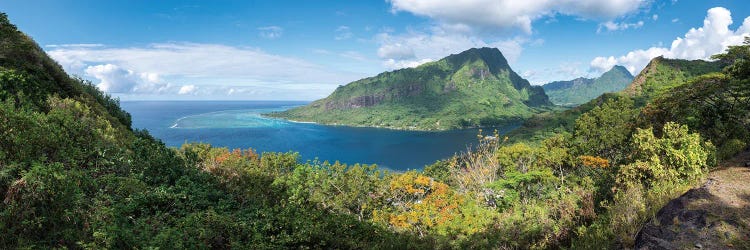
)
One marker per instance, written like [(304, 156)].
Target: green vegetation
[(661, 75), (582, 90), (474, 88), (74, 175)]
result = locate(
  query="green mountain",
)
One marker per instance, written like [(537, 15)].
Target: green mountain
[(582, 90), (74, 175), (662, 74), (474, 88), (659, 76)]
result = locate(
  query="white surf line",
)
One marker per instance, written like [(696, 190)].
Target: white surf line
[(298, 121), (256, 113), (208, 113)]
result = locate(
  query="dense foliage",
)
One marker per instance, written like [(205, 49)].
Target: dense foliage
[(73, 175), (582, 90), (474, 88)]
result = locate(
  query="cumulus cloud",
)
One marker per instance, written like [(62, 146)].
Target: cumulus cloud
[(400, 64), (187, 90), (414, 47), (114, 79), (270, 32), (698, 43), (513, 13), (396, 51)]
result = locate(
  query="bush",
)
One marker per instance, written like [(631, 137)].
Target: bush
[(678, 156), (731, 148)]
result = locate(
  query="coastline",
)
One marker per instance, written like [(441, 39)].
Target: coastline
[(514, 123)]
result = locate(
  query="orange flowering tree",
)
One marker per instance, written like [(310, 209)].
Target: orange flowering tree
[(420, 204)]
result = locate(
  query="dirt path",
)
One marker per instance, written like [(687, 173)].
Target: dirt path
[(714, 216)]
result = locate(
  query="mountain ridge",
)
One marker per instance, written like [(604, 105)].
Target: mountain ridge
[(473, 88), (580, 90), (660, 75)]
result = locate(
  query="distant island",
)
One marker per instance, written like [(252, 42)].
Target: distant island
[(475, 88)]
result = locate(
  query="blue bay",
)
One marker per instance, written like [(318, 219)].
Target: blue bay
[(239, 124)]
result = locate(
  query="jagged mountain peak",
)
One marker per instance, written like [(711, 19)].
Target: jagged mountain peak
[(618, 69), (492, 57), (476, 87)]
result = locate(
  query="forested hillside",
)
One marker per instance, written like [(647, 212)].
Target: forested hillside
[(582, 90), (660, 76), (474, 88), (73, 174)]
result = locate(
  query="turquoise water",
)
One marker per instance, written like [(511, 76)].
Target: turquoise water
[(236, 124), (244, 118)]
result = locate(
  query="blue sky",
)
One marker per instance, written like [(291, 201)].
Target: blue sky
[(302, 50)]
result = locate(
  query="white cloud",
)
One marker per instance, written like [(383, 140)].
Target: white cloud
[(270, 32), (613, 26), (414, 47), (698, 43), (396, 51), (114, 79), (675, 20), (634, 61), (187, 90), (141, 70), (400, 64), (514, 13), (655, 17), (343, 33), (567, 70)]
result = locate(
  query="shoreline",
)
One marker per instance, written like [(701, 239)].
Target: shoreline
[(511, 123)]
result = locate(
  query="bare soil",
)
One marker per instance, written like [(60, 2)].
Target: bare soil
[(713, 216)]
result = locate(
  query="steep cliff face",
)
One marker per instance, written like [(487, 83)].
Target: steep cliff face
[(474, 88)]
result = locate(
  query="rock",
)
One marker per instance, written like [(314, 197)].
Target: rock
[(747, 164), (709, 217), (653, 236)]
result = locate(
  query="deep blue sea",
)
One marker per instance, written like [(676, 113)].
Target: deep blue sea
[(239, 124)]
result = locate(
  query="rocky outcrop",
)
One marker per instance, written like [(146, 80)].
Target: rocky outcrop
[(637, 84), (480, 73), (676, 226), (714, 216)]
